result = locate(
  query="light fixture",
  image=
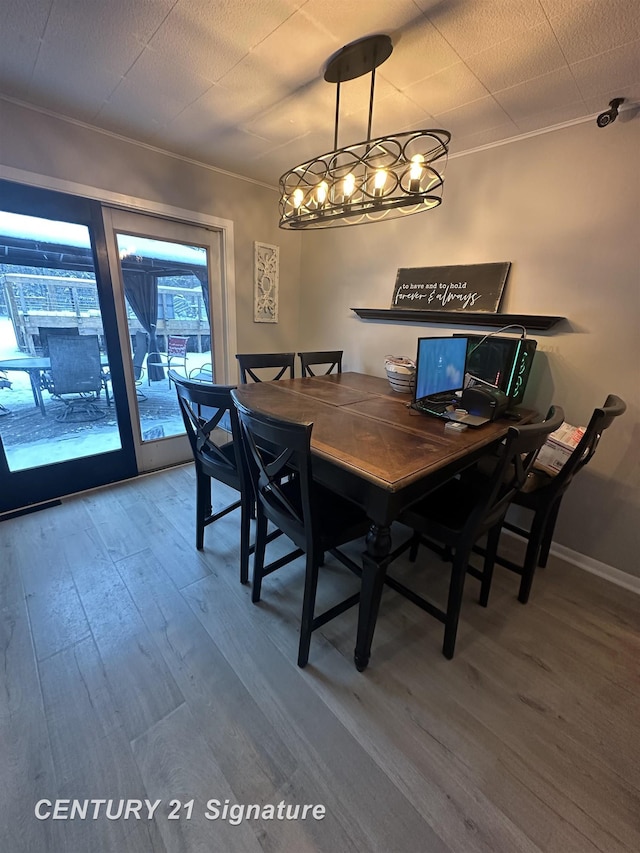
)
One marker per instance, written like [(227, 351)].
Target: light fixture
[(376, 179)]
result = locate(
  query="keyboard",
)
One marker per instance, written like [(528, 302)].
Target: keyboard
[(433, 407)]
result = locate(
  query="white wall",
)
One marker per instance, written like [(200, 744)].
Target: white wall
[(564, 208)]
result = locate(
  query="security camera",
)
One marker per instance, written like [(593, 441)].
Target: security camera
[(611, 114)]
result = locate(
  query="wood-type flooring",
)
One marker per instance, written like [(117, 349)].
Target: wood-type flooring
[(136, 668)]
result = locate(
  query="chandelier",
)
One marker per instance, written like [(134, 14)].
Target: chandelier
[(381, 178)]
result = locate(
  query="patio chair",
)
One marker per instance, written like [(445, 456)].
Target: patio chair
[(4, 383), (204, 373), (76, 377), (176, 353), (47, 332)]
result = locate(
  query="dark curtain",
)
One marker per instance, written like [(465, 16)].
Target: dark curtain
[(201, 275), (141, 290)]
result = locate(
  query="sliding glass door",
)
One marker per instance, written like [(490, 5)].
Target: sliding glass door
[(168, 282), (64, 419)]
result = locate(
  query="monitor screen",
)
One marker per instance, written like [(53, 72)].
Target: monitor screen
[(440, 365), (502, 362)]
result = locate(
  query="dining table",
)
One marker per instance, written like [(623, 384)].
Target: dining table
[(369, 445)]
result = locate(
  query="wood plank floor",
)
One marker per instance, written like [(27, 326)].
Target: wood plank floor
[(136, 668)]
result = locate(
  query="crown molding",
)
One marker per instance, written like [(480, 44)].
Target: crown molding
[(144, 145)]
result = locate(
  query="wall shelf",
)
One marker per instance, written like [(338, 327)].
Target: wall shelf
[(458, 318)]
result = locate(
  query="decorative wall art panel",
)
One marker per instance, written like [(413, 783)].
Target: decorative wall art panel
[(266, 281)]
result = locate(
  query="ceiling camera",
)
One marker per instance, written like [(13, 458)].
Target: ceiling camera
[(611, 114)]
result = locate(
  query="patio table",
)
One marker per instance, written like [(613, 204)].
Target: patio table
[(34, 366)]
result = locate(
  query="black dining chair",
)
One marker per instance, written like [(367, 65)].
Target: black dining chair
[(316, 519), (329, 360), (546, 493), (208, 412), (451, 519), (276, 364)]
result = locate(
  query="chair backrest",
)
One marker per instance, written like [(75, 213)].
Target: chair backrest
[(46, 332), (514, 459), (601, 419), (139, 353), (275, 447), (177, 346), (329, 359), (75, 364), (204, 408), (276, 363)]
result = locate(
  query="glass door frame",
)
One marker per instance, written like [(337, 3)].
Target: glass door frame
[(171, 450), (37, 485)]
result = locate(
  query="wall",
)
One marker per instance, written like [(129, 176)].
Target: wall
[(564, 208), (45, 145)]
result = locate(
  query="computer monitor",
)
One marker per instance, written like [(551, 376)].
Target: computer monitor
[(502, 362), (440, 366)]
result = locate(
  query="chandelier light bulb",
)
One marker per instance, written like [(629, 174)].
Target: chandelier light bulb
[(379, 180), (322, 192), (349, 185), (297, 198), (415, 173)]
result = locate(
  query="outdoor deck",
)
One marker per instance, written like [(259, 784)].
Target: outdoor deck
[(31, 440)]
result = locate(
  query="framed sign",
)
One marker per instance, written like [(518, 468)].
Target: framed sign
[(466, 287)]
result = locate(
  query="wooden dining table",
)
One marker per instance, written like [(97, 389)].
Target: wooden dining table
[(371, 447)]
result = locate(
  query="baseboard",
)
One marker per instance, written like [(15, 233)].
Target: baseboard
[(595, 567)]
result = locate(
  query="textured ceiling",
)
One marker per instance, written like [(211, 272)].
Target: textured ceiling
[(238, 83)]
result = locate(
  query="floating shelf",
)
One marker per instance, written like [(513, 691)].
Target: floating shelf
[(458, 318)]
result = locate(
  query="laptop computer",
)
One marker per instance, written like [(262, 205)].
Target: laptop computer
[(440, 371)]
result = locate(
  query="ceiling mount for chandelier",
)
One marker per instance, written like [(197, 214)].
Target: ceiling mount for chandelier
[(380, 178)]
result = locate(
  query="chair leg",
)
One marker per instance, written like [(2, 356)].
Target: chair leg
[(245, 529), (547, 536), (531, 557), (203, 506), (258, 555), (415, 544), (308, 607), (454, 602), (493, 539)]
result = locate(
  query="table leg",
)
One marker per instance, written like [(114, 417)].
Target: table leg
[(374, 568), (37, 392)]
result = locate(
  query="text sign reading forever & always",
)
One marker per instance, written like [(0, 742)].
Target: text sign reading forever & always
[(467, 287)]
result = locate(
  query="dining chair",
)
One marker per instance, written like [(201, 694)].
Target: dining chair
[(546, 493), (217, 454), (314, 518), (329, 359), (278, 364), (452, 518)]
